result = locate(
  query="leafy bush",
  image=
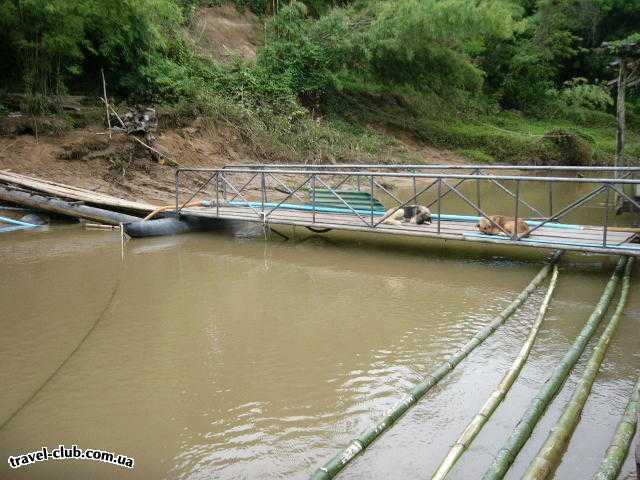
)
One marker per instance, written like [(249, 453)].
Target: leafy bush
[(579, 93), (431, 44), (308, 52)]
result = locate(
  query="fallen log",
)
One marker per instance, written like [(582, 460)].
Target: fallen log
[(72, 209)]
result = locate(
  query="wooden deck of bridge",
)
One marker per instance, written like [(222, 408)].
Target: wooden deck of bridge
[(584, 239)]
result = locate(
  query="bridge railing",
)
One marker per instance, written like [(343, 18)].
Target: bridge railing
[(265, 189)]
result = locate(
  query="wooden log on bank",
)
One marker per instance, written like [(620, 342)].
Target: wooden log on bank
[(54, 205)]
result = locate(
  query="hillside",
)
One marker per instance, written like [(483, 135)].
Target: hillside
[(372, 81)]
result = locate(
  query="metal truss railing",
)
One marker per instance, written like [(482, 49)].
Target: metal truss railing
[(251, 186)]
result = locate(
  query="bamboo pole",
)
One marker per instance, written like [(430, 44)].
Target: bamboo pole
[(621, 441), (337, 463), (534, 412), (554, 447), (494, 400), (621, 122), (168, 208), (106, 100), (101, 226), (638, 450)]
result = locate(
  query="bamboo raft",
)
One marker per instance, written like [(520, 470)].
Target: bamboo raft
[(69, 192), (57, 198)]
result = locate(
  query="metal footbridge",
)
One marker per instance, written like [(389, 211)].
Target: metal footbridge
[(357, 198)]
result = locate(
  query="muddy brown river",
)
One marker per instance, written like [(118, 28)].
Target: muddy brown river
[(222, 356)]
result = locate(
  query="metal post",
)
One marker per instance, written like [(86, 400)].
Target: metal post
[(177, 192), (515, 226), (224, 191), (371, 200), (217, 194), (263, 188), (550, 199), (439, 202), (313, 195), (477, 172), (415, 188), (606, 218), (358, 181)]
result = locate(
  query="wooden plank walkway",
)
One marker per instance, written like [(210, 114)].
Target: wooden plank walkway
[(584, 239)]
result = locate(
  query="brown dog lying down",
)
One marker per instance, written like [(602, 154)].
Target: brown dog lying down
[(508, 223), (415, 214)]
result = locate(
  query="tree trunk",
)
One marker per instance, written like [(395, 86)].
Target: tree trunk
[(621, 113)]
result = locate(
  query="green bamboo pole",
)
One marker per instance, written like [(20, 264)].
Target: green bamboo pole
[(638, 451), (554, 447), (336, 464), (619, 448), (532, 415), (498, 395)]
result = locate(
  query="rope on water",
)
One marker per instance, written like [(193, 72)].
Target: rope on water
[(551, 451), (619, 447), (100, 316), (494, 400), (507, 454), (357, 445)]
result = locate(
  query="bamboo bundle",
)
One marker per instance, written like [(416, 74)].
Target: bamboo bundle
[(357, 445), (553, 448), (534, 412), (619, 448), (498, 395)]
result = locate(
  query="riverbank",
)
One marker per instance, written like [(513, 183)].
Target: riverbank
[(86, 157)]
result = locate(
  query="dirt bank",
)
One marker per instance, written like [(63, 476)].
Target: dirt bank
[(87, 158), (224, 33)]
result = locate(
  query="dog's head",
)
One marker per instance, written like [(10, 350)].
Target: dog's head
[(485, 226), (422, 218)]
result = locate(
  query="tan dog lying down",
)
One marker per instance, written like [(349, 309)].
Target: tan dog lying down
[(415, 214), (507, 223)]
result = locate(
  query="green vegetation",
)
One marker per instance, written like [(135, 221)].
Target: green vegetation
[(498, 80)]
